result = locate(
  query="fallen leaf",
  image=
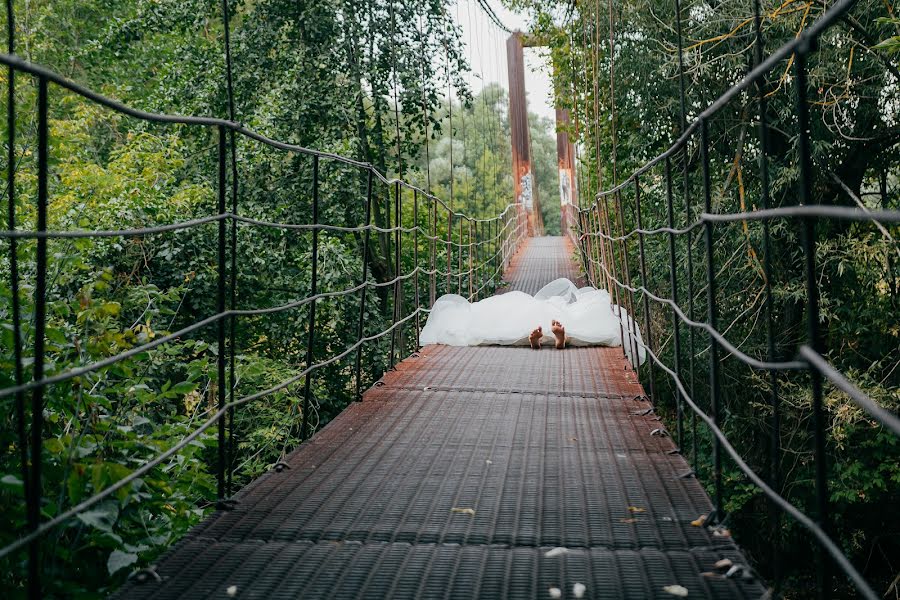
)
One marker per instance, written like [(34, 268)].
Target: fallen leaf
[(629, 520), (555, 592), (488, 462), (722, 532), (699, 521), (559, 551), (574, 439), (232, 590), (676, 590), (465, 511), (666, 519), (578, 590), (734, 571), (635, 509), (723, 564)]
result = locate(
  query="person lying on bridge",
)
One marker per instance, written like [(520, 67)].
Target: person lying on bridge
[(509, 319)]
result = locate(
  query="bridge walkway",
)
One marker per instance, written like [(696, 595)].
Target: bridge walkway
[(481, 472)]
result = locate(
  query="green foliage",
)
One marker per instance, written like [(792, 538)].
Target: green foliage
[(314, 74), (854, 111), (891, 45)]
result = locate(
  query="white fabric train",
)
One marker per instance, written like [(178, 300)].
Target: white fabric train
[(587, 314)]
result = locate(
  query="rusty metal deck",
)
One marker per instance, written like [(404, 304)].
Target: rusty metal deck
[(454, 478), (540, 261)]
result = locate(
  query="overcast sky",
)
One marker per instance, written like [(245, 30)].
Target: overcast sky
[(486, 52)]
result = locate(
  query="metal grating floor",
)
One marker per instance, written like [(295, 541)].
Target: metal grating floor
[(454, 477), (540, 261)]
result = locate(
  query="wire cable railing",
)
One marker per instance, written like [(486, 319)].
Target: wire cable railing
[(846, 213), (604, 253), (477, 254)]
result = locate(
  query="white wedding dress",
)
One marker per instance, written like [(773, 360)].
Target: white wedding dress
[(587, 314)]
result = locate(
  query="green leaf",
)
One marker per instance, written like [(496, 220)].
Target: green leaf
[(98, 518), (119, 560), (11, 481), (185, 387), (890, 45), (111, 308), (75, 484), (56, 336)]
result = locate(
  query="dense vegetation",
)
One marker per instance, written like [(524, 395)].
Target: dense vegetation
[(319, 75), (855, 116)]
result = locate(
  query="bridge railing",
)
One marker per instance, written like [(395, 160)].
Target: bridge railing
[(451, 252), (603, 241)]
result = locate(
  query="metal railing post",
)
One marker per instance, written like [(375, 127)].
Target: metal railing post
[(775, 441), (313, 290), (416, 261), (588, 247), (676, 322), (712, 314), (613, 264), (220, 325), (583, 244), (397, 268), (40, 322), (232, 319), (628, 295), (459, 260), (646, 284), (365, 285), (34, 586), (226, 20), (498, 256), (472, 248), (812, 312), (690, 237), (449, 248), (432, 291)]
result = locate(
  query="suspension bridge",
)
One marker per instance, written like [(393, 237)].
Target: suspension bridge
[(489, 472), (478, 472)]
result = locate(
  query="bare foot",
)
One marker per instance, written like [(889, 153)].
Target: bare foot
[(535, 338), (559, 332)]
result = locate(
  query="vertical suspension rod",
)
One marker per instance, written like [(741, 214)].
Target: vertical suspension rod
[(712, 314), (775, 441), (812, 312), (40, 321), (676, 322), (222, 184), (416, 261), (314, 289), (34, 590), (645, 283), (232, 303), (689, 236), (395, 338), (364, 291)]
